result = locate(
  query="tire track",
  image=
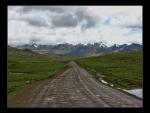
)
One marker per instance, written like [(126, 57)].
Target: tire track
[(77, 88)]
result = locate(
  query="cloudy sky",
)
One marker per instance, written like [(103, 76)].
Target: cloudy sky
[(74, 24)]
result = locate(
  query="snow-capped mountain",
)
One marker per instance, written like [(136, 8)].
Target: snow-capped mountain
[(81, 49)]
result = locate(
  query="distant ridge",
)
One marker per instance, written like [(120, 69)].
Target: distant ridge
[(30, 51), (81, 49)]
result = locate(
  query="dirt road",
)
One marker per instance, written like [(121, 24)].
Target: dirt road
[(77, 88)]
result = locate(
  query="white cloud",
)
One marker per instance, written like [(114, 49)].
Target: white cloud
[(117, 35), (112, 24)]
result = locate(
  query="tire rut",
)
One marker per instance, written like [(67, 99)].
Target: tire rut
[(77, 88)]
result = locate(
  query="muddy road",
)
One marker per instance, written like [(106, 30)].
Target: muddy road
[(77, 88)]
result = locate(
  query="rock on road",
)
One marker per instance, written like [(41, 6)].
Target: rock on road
[(77, 88)]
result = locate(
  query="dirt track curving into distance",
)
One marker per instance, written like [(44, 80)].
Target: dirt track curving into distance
[(77, 88)]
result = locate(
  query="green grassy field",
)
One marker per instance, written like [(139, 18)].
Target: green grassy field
[(25, 68), (122, 69)]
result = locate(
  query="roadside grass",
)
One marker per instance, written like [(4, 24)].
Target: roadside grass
[(25, 68), (123, 69)]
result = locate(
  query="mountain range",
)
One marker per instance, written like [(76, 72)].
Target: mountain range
[(66, 49)]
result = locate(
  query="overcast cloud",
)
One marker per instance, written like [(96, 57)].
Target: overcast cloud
[(74, 24)]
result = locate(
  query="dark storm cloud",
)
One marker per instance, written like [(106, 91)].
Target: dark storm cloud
[(65, 20), (37, 23), (72, 20), (58, 9), (90, 20), (66, 17)]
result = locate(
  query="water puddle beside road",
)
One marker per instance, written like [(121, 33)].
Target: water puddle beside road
[(136, 92)]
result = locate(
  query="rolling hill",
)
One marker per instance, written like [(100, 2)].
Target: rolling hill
[(124, 69), (26, 66)]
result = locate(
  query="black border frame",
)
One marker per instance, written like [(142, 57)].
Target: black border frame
[(3, 44), (74, 2)]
